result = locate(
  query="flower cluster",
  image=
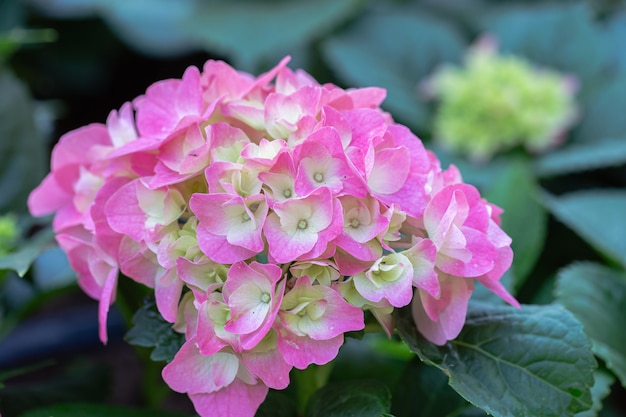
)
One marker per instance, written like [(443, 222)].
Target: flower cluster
[(497, 102), (268, 213)]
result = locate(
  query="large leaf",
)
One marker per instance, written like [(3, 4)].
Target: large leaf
[(616, 38), (514, 363), (524, 219), (395, 51), (152, 26), (364, 398), (597, 297), (582, 157), (249, 31), (561, 36), (22, 163), (603, 117), (151, 330), (98, 410), (601, 388), (598, 216)]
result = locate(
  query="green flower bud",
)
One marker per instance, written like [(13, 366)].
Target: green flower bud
[(8, 233), (497, 102)]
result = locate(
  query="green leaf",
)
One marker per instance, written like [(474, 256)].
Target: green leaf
[(98, 410), (615, 38), (277, 404), (80, 382), (395, 51), (514, 363), (11, 373), (21, 260), (524, 219), (598, 216), (601, 388), (151, 330), (423, 391), (364, 398), (597, 297), (602, 116), (582, 157), (561, 36), (22, 162), (12, 14), (249, 31)]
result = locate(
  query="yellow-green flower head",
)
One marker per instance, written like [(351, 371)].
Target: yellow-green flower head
[(497, 102)]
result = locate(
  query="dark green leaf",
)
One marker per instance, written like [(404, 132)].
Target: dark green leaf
[(363, 398), (524, 219), (249, 31), (277, 404), (385, 359), (423, 391), (151, 330), (395, 51), (21, 260), (597, 297), (598, 216), (22, 163), (97, 410), (582, 157), (601, 388), (156, 30), (79, 383), (561, 36), (514, 363)]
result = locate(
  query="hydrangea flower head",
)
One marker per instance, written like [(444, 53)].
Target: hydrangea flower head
[(268, 213), (496, 102)]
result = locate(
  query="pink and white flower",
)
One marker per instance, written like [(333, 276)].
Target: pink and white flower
[(267, 214)]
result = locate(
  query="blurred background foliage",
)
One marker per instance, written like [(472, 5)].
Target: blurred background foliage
[(67, 63)]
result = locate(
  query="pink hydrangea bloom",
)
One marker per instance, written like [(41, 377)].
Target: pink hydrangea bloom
[(268, 213)]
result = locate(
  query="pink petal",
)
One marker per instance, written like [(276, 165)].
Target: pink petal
[(442, 319), (168, 289), (48, 197), (107, 296), (270, 367), (301, 351), (423, 256), (390, 170), (482, 260), (192, 373), (237, 399)]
